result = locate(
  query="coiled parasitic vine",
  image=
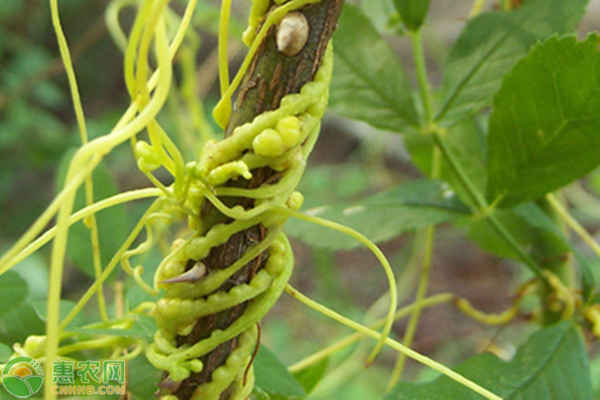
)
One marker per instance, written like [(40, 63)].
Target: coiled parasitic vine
[(221, 282)]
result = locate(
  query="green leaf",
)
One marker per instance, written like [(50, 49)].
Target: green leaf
[(368, 83), (65, 307), (383, 216), (595, 367), (545, 126), (491, 44), (5, 352), (310, 377), (13, 289), (144, 327), (526, 223), (273, 377), (413, 12), (380, 13), (557, 243), (259, 394), (142, 383), (34, 270), (551, 365), (530, 225), (17, 325), (334, 183)]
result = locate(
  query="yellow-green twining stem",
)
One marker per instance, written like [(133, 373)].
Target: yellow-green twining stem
[(136, 74), (162, 151), (34, 344), (83, 163), (97, 149), (296, 123), (222, 111), (350, 339), (404, 283), (240, 214), (380, 256), (111, 265), (393, 344), (179, 362), (6, 262), (126, 127), (223, 42), (429, 233), (573, 224), (477, 7), (91, 222), (145, 246), (93, 151), (213, 281), (189, 93), (112, 21), (81, 214), (409, 335)]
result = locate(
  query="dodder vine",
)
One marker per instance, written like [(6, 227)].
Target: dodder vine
[(222, 281)]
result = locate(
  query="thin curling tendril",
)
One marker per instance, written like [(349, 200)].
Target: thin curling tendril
[(138, 116), (102, 145), (393, 344), (86, 159), (242, 214)]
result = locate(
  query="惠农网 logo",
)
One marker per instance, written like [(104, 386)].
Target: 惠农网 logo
[(22, 376)]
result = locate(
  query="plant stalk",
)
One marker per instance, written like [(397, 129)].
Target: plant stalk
[(271, 76)]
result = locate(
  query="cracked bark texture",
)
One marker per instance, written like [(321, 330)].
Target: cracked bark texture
[(271, 76)]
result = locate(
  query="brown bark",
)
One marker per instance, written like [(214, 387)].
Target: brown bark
[(271, 76)]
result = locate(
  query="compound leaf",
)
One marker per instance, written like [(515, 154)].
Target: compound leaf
[(382, 216), (491, 44), (368, 81), (545, 126), (552, 364)]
